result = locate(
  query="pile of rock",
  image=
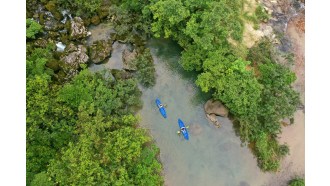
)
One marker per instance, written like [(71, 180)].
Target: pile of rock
[(214, 108)]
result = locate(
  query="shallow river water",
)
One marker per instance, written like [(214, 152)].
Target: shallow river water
[(212, 156)]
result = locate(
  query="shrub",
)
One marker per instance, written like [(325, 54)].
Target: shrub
[(32, 28)]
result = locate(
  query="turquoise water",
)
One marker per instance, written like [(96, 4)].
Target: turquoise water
[(212, 156)]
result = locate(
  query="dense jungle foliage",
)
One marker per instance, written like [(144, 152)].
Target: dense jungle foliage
[(83, 132)]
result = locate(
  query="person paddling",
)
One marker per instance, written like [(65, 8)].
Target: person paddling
[(182, 129)]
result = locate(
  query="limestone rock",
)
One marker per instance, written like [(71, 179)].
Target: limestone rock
[(215, 107), (75, 55), (214, 120), (78, 29), (100, 50), (128, 59)]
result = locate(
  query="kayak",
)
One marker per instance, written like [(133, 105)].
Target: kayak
[(185, 131), (161, 108)]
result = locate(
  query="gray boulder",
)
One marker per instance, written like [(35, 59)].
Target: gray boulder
[(128, 59), (215, 107), (78, 29), (75, 55), (100, 50)]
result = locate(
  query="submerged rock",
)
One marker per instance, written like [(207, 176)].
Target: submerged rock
[(100, 50), (128, 59), (78, 29), (195, 129), (215, 107)]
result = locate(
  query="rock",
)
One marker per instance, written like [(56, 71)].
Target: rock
[(120, 74), (100, 50), (87, 21), (78, 29), (215, 107), (128, 59), (41, 18), (40, 43), (75, 55), (103, 12), (95, 20), (53, 34), (53, 64), (214, 120), (287, 121), (51, 6)]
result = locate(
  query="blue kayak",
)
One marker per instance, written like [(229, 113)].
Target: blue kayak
[(161, 108), (184, 132)]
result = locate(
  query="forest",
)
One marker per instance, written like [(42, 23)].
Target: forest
[(82, 129)]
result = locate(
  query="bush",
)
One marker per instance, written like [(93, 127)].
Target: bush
[(32, 28), (297, 182), (261, 13)]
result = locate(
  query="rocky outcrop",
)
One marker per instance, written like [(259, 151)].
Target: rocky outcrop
[(100, 50), (215, 107), (128, 59), (51, 7), (78, 29), (214, 120), (75, 55)]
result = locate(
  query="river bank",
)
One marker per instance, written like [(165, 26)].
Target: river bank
[(294, 135)]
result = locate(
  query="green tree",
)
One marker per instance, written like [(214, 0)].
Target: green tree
[(233, 82), (105, 155), (110, 96), (32, 28), (42, 179), (169, 16), (81, 7)]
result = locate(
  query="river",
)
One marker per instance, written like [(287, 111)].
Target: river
[(212, 156)]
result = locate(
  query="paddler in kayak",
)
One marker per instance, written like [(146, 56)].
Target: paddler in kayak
[(183, 129), (161, 105)]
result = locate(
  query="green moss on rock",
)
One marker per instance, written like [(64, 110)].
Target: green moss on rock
[(95, 20)]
